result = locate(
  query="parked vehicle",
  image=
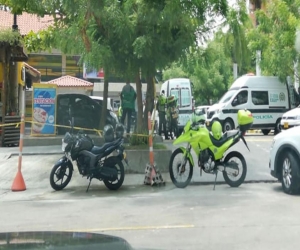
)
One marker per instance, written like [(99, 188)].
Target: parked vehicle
[(290, 119), (92, 161), (284, 159), (99, 100), (181, 88), (86, 112), (203, 109), (266, 97), (210, 149)]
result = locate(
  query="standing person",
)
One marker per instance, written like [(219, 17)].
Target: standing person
[(161, 107), (128, 96)]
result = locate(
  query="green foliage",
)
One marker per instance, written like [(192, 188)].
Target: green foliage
[(8, 36), (174, 71), (275, 36), (141, 139)]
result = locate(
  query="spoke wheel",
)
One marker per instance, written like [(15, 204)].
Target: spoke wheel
[(114, 185), (60, 176), (181, 169), (240, 165)]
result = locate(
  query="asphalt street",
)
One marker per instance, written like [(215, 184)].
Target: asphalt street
[(257, 215), (253, 216)]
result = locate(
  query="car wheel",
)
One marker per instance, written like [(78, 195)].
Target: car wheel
[(277, 128), (290, 173), (265, 131), (227, 125)]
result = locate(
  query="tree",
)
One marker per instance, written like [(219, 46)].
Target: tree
[(236, 23), (275, 36), (210, 71), (130, 35)]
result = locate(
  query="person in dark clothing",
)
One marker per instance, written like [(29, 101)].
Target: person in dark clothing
[(161, 107), (128, 96)]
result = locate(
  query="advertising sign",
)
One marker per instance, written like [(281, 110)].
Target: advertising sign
[(44, 107), (92, 73)]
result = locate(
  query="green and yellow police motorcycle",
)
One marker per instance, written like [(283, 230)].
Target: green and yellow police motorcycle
[(210, 148)]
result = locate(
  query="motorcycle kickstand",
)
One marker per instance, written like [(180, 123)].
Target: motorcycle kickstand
[(215, 180), (89, 184)]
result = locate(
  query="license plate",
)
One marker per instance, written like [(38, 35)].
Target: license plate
[(124, 155), (285, 125), (207, 124)]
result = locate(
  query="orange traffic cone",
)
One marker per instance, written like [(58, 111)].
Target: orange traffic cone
[(18, 184)]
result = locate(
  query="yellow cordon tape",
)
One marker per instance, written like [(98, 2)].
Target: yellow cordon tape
[(11, 124), (17, 124)]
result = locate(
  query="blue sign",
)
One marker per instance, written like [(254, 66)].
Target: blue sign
[(44, 106)]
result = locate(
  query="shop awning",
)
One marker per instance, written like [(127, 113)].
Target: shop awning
[(33, 73)]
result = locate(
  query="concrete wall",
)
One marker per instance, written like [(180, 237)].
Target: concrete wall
[(138, 159)]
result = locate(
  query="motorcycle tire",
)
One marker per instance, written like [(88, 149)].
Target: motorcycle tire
[(239, 181), (115, 186), (190, 173), (54, 173)]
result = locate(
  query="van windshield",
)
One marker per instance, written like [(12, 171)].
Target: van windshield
[(227, 96), (183, 96)]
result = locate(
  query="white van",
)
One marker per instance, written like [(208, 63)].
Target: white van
[(181, 88), (265, 96), (99, 99)]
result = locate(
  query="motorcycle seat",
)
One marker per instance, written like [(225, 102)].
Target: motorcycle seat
[(226, 136), (98, 150)]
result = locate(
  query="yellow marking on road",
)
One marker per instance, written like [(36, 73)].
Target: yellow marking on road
[(133, 228)]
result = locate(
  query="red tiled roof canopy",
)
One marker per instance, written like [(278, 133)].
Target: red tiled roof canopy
[(26, 22), (70, 81)]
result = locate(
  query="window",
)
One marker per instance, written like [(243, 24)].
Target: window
[(227, 96), (175, 92), (260, 97), (241, 98), (185, 97)]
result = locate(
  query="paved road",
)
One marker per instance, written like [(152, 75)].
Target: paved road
[(254, 216)]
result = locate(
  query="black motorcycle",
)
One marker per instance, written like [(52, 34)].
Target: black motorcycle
[(92, 161)]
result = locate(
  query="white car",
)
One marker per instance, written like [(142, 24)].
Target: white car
[(284, 161), (203, 110), (291, 118)]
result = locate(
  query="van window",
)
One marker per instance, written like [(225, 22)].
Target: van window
[(185, 97), (260, 97), (227, 96), (241, 98), (175, 92)]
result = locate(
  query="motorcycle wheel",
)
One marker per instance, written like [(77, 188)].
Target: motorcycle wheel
[(239, 180), (189, 171), (59, 171), (115, 185)]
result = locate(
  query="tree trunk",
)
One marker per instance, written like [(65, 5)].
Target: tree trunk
[(139, 103), (149, 98), (105, 95)]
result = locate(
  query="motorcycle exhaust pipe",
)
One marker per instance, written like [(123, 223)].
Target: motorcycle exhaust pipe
[(230, 168)]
